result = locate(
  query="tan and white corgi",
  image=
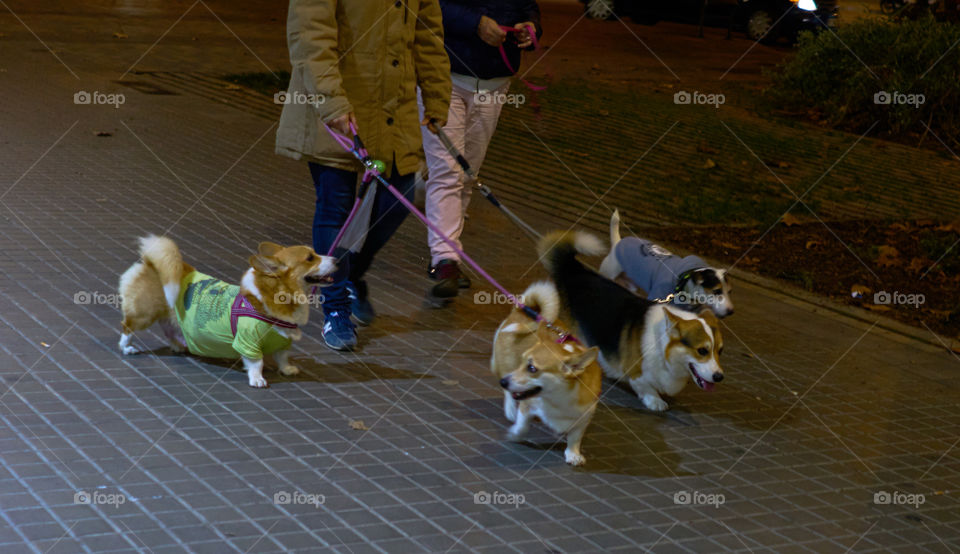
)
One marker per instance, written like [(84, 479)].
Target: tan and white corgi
[(544, 377), (211, 318), (656, 347)]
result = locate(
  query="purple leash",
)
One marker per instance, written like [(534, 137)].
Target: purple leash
[(356, 148)]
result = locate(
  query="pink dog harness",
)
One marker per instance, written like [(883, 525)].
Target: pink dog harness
[(243, 308)]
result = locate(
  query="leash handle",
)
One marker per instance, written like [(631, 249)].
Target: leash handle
[(531, 30)]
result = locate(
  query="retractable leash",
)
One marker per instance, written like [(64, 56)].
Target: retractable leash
[(373, 168), (484, 189), (358, 150)]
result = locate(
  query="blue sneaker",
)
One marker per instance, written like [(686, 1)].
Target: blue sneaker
[(360, 303), (339, 332)]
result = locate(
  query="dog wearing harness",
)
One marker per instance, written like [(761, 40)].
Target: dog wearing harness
[(211, 318), (687, 282)]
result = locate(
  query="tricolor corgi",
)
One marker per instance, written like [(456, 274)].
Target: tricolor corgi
[(656, 347)]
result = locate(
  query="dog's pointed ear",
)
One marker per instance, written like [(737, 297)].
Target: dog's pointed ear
[(266, 265), (268, 248), (697, 277), (673, 321), (576, 364)]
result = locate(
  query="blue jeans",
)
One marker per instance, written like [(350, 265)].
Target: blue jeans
[(336, 192)]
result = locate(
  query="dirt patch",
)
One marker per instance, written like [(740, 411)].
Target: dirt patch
[(908, 270)]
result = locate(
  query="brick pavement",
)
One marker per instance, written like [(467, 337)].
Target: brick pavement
[(817, 416)]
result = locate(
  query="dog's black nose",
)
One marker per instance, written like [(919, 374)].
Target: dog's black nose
[(717, 377), (505, 382), (730, 311)]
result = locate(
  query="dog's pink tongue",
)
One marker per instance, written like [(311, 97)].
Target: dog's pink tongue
[(708, 386)]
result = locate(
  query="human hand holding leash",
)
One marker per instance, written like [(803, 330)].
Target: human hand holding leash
[(490, 31), (524, 38), (433, 123), (342, 124)]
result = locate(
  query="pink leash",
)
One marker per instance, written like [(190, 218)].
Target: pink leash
[(368, 176), (356, 148), (532, 31)]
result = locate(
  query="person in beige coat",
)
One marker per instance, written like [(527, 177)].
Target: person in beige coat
[(360, 62)]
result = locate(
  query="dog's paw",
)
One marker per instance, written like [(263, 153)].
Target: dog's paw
[(574, 458), (178, 348), (129, 349), (258, 382), (289, 370), (514, 436), (655, 403)]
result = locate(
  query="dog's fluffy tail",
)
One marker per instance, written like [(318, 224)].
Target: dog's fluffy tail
[(163, 256), (559, 248), (614, 228), (542, 296)]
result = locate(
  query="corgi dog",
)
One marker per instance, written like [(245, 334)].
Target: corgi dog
[(638, 264), (211, 318), (656, 347), (544, 376)]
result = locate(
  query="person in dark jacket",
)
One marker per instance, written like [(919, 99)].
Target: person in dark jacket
[(473, 36)]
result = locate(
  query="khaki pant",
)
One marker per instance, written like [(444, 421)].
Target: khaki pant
[(470, 125)]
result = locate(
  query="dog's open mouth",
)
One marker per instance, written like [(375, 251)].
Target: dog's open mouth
[(705, 385), (318, 279), (529, 393)]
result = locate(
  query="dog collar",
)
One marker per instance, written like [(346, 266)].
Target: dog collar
[(243, 308), (684, 277)]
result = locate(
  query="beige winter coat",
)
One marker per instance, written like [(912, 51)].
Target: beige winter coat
[(365, 56)]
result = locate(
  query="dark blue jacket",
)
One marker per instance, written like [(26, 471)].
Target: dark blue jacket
[(469, 55)]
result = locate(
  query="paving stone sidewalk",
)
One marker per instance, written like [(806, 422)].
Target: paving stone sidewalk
[(828, 435)]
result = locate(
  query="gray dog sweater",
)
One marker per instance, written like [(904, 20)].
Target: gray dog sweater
[(652, 267)]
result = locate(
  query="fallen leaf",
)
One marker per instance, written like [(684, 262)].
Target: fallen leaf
[(709, 164), (45, 344), (888, 257), (860, 291), (926, 223), (953, 226), (706, 149), (790, 220), (813, 244), (604, 113), (726, 245), (357, 425), (899, 227), (232, 86), (918, 265), (103, 134), (750, 261), (450, 382), (119, 34)]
